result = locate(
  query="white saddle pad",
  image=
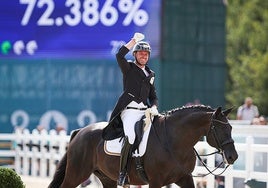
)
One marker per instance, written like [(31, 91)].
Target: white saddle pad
[(113, 147)]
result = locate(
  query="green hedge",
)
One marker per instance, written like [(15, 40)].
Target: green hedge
[(10, 179)]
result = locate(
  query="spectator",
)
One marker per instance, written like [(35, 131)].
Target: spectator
[(60, 128), (40, 128), (263, 120), (259, 121), (247, 111)]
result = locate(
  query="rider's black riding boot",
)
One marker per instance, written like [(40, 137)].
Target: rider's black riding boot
[(125, 155)]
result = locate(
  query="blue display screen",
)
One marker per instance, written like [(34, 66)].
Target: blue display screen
[(75, 28)]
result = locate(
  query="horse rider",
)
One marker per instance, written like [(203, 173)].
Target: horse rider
[(139, 93)]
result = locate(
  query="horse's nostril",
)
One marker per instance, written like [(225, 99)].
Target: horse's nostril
[(232, 158)]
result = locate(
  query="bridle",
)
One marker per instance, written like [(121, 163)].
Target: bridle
[(219, 146), (215, 135)]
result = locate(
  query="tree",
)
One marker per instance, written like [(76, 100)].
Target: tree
[(247, 52), (10, 179)]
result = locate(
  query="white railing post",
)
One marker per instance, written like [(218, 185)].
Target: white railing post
[(211, 164), (36, 154), (43, 151), (18, 149), (249, 157), (63, 144), (26, 152), (53, 143), (228, 181)]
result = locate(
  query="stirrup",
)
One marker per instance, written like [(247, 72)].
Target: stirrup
[(123, 180)]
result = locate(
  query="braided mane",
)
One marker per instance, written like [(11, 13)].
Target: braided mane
[(190, 108)]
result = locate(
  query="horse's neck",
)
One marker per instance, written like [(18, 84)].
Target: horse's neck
[(186, 131)]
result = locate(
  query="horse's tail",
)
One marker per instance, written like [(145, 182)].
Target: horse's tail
[(59, 174), (61, 167)]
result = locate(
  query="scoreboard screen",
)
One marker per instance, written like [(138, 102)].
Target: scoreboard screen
[(75, 28), (57, 58)]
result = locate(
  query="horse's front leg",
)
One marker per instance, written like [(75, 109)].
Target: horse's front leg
[(155, 183), (186, 182), (154, 186)]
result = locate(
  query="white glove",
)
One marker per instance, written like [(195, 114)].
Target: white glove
[(138, 37), (154, 111)]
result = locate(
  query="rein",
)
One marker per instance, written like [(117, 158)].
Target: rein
[(205, 165), (219, 145)]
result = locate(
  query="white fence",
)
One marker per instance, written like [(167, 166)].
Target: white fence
[(37, 153)]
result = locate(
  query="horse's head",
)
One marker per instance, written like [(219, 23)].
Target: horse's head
[(219, 135)]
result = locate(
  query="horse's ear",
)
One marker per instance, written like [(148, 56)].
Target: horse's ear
[(226, 112), (218, 111)]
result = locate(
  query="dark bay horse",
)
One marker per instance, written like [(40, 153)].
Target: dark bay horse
[(169, 157)]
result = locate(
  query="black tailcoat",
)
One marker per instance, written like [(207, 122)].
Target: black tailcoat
[(136, 87)]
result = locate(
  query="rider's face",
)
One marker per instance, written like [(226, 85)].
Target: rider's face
[(142, 57)]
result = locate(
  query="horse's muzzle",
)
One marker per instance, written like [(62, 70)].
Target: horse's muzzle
[(229, 154)]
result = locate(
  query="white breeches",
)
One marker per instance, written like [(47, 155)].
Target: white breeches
[(130, 117)]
